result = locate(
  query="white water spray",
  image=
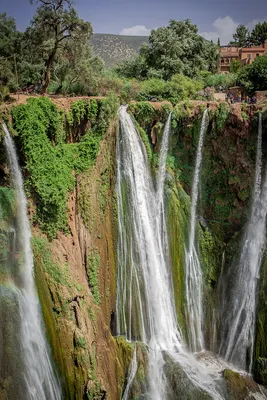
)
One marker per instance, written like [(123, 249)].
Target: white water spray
[(40, 381), (194, 283), (239, 315)]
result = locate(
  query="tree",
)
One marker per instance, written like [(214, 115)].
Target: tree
[(9, 36), (241, 36), (9, 49), (55, 23), (254, 76), (135, 67), (174, 49), (259, 34), (219, 42), (76, 69), (235, 66)]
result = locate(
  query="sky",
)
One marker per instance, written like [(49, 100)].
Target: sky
[(215, 18)]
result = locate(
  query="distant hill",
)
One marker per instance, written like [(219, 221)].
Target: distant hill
[(115, 48)]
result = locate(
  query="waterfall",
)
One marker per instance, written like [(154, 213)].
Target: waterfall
[(161, 220), (145, 311), (194, 284), (163, 158), (237, 343), (131, 376), (39, 380), (145, 308)]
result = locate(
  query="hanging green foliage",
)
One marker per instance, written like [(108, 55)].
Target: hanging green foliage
[(49, 160)]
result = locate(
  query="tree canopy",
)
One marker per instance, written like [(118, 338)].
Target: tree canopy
[(173, 49), (54, 54), (55, 23), (259, 34), (254, 76), (9, 46), (54, 48), (241, 36)]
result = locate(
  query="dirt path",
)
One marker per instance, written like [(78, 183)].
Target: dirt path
[(61, 102)]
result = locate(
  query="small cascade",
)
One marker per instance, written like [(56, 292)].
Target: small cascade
[(145, 307), (40, 382), (162, 159), (239, 312), (131, 376), (161, 221), (194, 284)]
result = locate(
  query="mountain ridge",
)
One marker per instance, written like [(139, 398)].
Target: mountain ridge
[(114, 49)]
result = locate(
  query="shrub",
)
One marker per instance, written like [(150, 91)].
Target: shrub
[(81, 342), (221, 115), (92, 273), (217, 80), (178, 88), (254, 77)]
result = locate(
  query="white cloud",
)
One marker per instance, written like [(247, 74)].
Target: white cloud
[(224, 28), (252, 24), (138, 30)]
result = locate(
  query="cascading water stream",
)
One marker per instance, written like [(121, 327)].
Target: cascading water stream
[(161, 222), (145, 308), (132, 373), (239, 314), (40, 382), (150, 315), (194, 284), (162, 160)]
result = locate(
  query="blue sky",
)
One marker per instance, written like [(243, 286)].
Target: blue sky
[(214, 17)]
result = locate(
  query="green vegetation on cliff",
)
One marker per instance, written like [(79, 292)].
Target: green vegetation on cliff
[(7, 203), (92, 273), (49, 160)]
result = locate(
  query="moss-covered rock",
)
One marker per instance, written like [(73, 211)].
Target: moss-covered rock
[(178, 209), (242, 387), (180, 386), (125, 351)]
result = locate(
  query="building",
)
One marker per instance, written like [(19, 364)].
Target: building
[(244, 54)]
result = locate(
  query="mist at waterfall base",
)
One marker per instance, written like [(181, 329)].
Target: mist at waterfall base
[(239, 285), (26, 357), (145, 308)]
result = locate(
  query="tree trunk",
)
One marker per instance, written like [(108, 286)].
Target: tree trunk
[(47, 73)]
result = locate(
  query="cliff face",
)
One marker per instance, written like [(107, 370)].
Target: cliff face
[(80, 286), (75, 243)]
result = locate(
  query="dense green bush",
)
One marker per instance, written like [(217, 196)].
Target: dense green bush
[(221, 116), (50, 160), (254, 76), (217, 80), (178, 88), (126, 89)]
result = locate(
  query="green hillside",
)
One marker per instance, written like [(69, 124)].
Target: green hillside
[(116, 48)]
